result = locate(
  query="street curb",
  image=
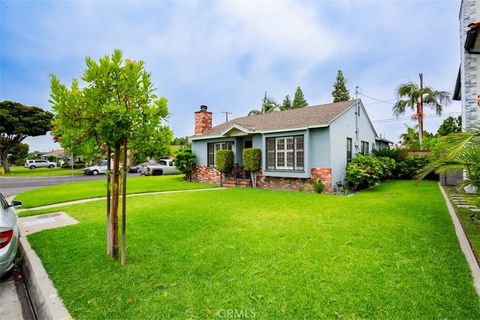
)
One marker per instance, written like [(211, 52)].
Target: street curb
[(464, 243), (43, 295)]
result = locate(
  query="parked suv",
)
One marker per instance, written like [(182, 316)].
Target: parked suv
[(95, 170), (33, 164)]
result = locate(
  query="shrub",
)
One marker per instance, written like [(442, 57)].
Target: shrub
[(75, 166), (407, 169), (224, 159), (318, 186), (185, 162), (251, 162), (365, 171), (396, 154)]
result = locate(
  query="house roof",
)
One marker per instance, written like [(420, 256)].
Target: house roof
[(55, 153), (313, 116)]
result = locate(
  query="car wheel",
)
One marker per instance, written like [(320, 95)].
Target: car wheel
[(157, 173), (138, 171), (32, 167), (95, 172), (51, 166)]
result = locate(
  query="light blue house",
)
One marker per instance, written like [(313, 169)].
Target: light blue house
[(297, 146)]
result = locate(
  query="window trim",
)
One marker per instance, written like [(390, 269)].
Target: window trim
[(286, 152), (365, 145), (349, 152)]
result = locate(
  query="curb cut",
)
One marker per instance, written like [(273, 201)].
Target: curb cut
[(44, 297), (464, 243)]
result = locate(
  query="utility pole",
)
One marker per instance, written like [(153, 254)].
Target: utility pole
[(226, 115), (420, 113)]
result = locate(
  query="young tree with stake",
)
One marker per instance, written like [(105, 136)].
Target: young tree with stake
[(116, 110)]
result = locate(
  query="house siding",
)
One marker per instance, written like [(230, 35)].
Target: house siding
[(469, 66), (340, 130)]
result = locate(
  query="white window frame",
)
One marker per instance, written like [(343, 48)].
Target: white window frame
[(286, 147)]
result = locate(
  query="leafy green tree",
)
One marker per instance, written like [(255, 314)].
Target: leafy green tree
[(299, 100), (450, 125), (116, 109), (340, 92), (410, 140), (268, 105), (182, 142), (18, 153), (18, 122), (185, 162), (415, 97), (286, 104), (251, 163)]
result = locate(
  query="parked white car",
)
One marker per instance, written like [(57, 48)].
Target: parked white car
[(164, 166), (100, 168), (33, 164), (8, 234)]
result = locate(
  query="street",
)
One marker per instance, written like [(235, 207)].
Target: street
[(11, 186)]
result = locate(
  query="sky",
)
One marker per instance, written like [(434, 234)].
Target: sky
[(227, 54)]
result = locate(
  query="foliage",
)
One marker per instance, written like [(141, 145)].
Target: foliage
[(411, 96), (159, 145), (224, 160), (410, 140), (365, 171), (252, 162), (185, 161), (75, 166), (396, 154), (117, 106), (182, 141), (340, 92), (18, 122), (408, 168), (18, 153), (299, 100), (450, 125), (268, 105), (457, 151), (286, 104), (318, 186)]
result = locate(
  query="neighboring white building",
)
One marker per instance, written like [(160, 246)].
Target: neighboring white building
[(467, 88)]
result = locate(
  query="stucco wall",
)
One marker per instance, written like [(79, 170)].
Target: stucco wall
[(340, 130), (469, 66), (199, 147)]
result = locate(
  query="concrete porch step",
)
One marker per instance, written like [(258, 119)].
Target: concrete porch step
[(230, 183)]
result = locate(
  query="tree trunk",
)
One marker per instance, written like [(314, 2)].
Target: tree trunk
[(115, 198), (124, 201), (109, 216), (420, 114), (5, 163)]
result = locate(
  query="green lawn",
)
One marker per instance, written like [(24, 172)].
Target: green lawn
[(40, 172), (386, 253), (470, 226), (97, 188)]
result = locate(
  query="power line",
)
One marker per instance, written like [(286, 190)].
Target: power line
[(409, 118), (375, 99)]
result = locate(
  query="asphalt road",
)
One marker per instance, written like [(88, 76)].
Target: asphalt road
[(14, 185)]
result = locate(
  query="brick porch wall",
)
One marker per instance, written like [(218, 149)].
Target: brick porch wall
[(211, 175), (206, 175)]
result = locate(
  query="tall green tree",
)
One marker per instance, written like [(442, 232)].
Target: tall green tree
[(18, 153), (268, 105), (286, 104), (116, 109), (299, 100), (450, 125), (415, 97), (17, 122), (340, 92)]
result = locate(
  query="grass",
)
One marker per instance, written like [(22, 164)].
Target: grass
[(97, 188), (470, 226), (386, 253), (16, 171)]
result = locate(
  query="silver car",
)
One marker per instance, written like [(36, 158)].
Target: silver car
[(8, 234)]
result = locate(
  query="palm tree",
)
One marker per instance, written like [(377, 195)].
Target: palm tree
[(410, 95), (457, 151), (268, 105)]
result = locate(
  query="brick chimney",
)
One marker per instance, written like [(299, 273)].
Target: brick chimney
[(203, 120)]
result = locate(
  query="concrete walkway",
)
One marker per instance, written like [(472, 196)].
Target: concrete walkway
[(56, 205), (10, 306)]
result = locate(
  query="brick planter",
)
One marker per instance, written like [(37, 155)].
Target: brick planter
[(206, 175)]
